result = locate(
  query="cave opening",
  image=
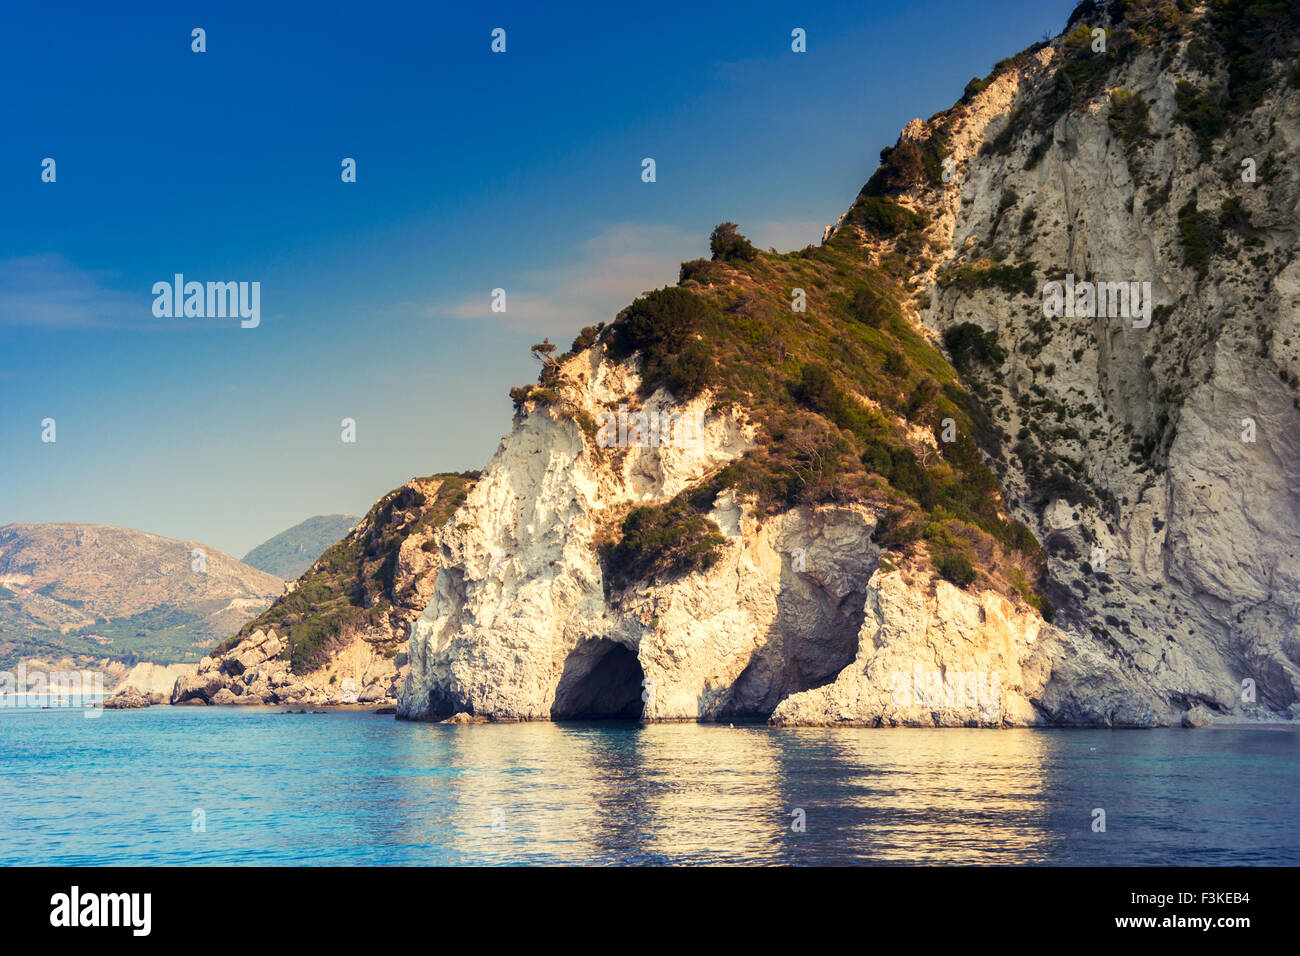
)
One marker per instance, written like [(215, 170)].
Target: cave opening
[(602, 680)]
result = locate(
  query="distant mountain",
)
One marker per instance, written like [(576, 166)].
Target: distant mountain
[(85, 593), (292, 552)]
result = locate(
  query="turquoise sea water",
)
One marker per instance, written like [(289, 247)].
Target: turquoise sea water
[(351, 787)]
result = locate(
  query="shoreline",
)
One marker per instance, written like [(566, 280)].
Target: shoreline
[(385, 710)]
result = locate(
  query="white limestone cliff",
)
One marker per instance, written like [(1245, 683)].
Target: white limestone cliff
[(1199, 527), (1196, 613), (797, 621)]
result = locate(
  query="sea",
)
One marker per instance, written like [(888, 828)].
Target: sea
[(263, 786)]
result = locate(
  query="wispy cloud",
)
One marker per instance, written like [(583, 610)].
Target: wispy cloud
[(785, 236), (597, 278), (48, 291), (603, 274)]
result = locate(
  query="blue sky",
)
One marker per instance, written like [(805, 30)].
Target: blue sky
[(475, 170)]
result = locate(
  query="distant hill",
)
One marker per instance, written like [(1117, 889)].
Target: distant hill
[(292, 552), (90, 592)]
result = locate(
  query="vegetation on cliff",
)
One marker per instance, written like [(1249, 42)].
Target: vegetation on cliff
[(354, 585), (851, 402)]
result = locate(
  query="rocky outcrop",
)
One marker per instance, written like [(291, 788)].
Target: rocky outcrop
[(929, 654), (518, 616), (1172, 542), (338, 635), (798, 622), (521, 625), (256, 671), (130, 698)]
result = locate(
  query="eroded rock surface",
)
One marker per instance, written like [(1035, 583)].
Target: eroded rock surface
[(1173, 539)]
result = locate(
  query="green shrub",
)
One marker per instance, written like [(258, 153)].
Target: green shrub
[(1233, 215), (895, 531), (586, 338), (967, 343), (1128, 116), (975, 87), (703, 271), (1201, 56), (886, 216), (1201, 113), (906, 165), (818, 391), (663, 541), (691, 372), (1200, 237), (955, 567), (1035, 599), (1253, 33), (894, 365), (1013, 279), (662, 327), (728, 245), (871, 307), (908, 475)]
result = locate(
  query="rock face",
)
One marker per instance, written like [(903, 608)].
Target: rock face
[(1176, 435), (518, 616), (945, 658), (797, 622), (156, 678), (1173, 545)]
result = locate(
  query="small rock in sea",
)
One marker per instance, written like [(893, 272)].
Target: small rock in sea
[(127, 698), (1198, 716), (386, 710)]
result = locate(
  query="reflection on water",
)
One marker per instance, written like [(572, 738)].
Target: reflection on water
[(355, 788)]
